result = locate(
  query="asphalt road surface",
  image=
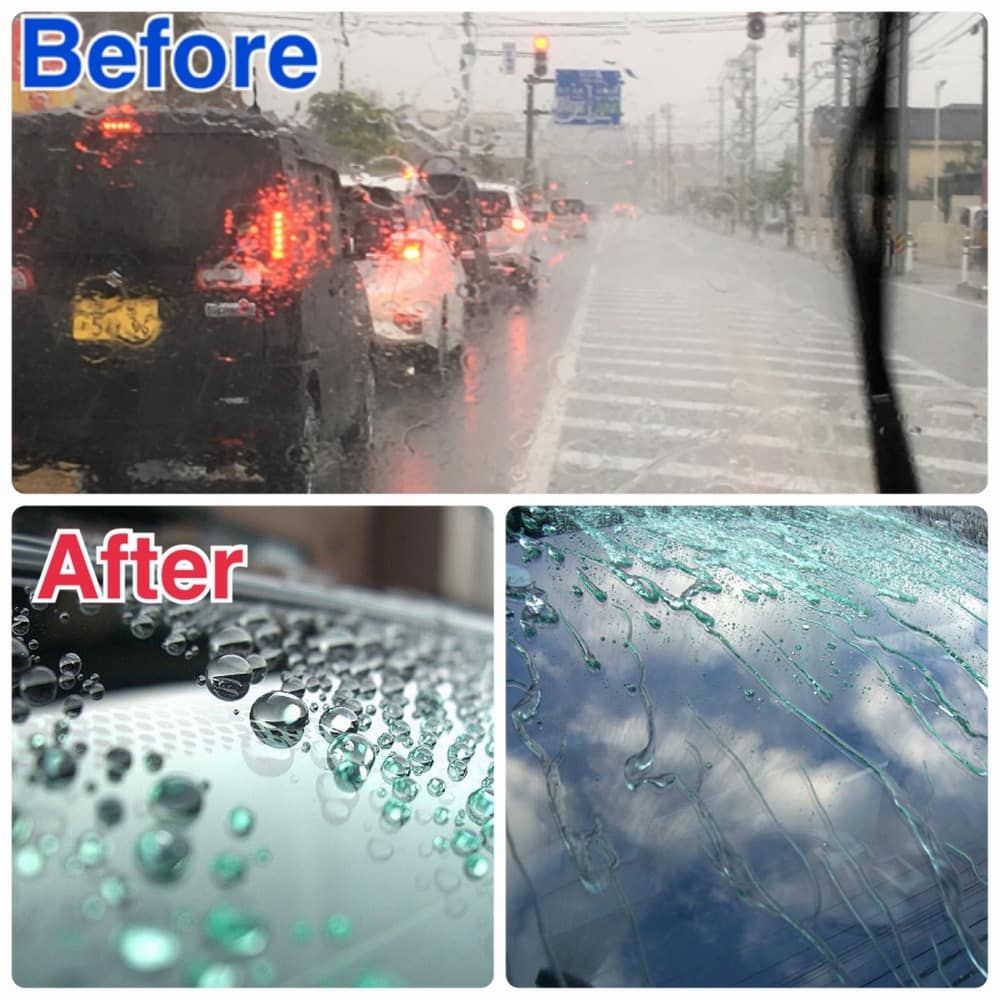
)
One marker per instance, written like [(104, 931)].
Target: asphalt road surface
[(661, 356)]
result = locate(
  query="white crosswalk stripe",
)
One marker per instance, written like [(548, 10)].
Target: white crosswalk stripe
[(677, 387)]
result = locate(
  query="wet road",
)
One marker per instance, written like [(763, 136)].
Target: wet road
[(664, 357), (661, 356)]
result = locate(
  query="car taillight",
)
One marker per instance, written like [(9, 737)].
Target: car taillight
[(412, 250), (583, 216), (409, 321), (518, 224), (120, 126), (277, 235), (23, 277)]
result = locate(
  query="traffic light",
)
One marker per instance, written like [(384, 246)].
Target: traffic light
[(541, 55), (755, 27)]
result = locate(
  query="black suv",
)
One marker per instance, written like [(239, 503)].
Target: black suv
[(182, 293)]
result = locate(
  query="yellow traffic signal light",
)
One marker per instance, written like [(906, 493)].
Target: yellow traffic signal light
[(541, 55)]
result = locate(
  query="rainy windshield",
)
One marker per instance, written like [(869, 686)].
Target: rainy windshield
[(567, 206), (702, 330), (81, 188), (747, 747), (294, 789), (494, 205)]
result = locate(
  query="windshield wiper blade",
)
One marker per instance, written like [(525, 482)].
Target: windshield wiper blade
[(893, 462)]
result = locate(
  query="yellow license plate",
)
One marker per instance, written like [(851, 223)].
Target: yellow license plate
[(134, 322)]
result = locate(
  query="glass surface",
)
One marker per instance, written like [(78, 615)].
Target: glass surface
[(264, 795), (699, 333), (746, 747)]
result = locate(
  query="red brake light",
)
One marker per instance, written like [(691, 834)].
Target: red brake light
[(412, 250), (518, 224), (23, 279), (120, 126), (583, 216), (277, 235)]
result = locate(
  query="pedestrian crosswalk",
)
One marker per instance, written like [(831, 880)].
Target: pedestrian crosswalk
[(682, 385)]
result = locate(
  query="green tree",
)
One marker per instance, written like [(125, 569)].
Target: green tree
[(774, 187), (358, 129)]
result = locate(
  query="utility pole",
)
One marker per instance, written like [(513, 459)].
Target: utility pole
[(722, 133), (801, 158), (343, 54), (986, 94), (667, 114), (901, 213), (654, 163), (937, 140), (838, 139), (465, 68), (753, 109), (529, 133)]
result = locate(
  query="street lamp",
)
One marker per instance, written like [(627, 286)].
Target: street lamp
[(937, 138)]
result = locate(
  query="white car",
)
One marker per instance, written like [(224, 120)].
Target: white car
[(568, 219), (415, 284), (511, 237)]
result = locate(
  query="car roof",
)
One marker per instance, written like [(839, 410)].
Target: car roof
[(178, 121)]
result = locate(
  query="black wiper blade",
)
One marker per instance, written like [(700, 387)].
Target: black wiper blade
[(893, 461)]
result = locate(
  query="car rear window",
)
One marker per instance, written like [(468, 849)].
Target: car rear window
[(567, 206), (374, 215), (144, 192)]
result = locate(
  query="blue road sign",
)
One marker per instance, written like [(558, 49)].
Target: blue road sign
[(588, 97)]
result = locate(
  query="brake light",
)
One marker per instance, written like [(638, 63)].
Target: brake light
[(120, 126), (412, 250), (409, 321), (518, 224), (23, 278), (277, 236), (583, 216)]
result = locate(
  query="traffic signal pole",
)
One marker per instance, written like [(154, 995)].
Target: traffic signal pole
[(529, 132)]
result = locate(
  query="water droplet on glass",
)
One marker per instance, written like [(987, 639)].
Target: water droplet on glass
[(477, 866), (241, 821), (231, 639), (56, 766), (395, 812), (143, 626), (480, 806), (73, 706), (336, 721), (148, 949), (465, 841), (162, 855), (350, 758), (175, 799), (228, 869), (279, 719), (229, 677), (395, 766), (39, 686), (109, 811), (119, 760), (235, 930)]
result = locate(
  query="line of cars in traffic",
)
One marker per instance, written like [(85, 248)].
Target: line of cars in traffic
[(209, 289)]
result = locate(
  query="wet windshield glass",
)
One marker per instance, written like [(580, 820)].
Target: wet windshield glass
[(260, 793), (567, 206), (747, 747), (700, 333)]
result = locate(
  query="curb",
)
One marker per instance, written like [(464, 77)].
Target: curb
[(970, 291)]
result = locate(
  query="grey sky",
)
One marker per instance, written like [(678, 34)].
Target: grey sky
[(414, 56)]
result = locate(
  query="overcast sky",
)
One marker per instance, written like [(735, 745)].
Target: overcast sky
[(413, 57)]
